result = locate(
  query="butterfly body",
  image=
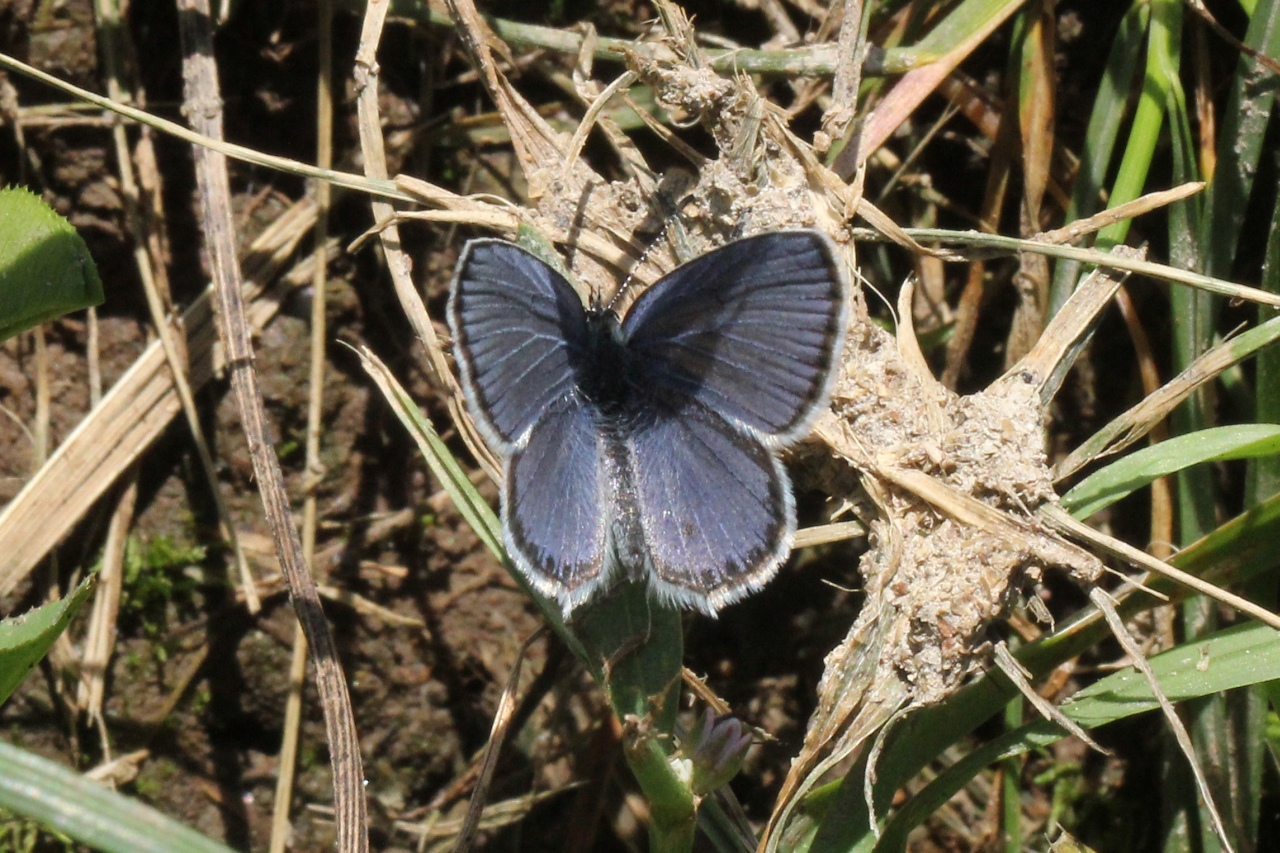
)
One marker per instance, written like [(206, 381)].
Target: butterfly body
[(605, 378), (646, 445)]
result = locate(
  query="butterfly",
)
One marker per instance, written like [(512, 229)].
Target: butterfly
[(645, 446)]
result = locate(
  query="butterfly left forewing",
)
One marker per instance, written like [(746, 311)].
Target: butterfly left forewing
[(714, 505)]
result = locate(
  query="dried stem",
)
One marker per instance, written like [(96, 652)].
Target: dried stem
[(315, 409), (203, 108)]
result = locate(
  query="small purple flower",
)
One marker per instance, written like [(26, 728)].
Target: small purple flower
[(715, 752)]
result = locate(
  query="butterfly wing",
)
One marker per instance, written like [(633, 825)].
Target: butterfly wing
[(750, 330), (519, 332), (556, 500), (714, 506)]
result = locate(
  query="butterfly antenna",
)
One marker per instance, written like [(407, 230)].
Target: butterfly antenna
[(626, 282), (672, 230)]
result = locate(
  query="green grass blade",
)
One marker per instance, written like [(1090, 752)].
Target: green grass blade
[(959, 26), (89, 812), (475, 510), (1238, 657), (1110, 107), (45, 267), (1120, 479), (1144, 134), (1264, 477), (1240, 144)]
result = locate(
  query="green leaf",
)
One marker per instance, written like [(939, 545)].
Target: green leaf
[(89, 812), (25, 639), (45, 267), (1139, 469)]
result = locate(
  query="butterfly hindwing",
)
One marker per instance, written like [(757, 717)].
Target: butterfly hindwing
[(714, 505), (519, 332), (750, 330), (556, 501)]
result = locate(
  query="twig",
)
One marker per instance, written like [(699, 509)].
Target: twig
[(203, 109), (818, 60)]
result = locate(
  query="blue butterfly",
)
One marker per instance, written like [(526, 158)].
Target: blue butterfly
[(645, 447)]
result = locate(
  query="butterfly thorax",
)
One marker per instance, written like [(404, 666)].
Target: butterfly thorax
[(606, 376)]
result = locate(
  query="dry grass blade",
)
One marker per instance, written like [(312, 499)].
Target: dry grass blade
[(398, 264), (133, 414), (201, 94), (1129, 210), (101, 634), (905, 97), (493, 749), (347, 180), (1016, 673), (1058, 518), (1118, 630), (149, 258), (315, 407), (1070, 329), (1154, 408), (439, 835)]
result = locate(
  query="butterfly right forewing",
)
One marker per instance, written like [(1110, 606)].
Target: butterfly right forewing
[(750, 330)]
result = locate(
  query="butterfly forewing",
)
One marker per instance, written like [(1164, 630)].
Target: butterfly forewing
[(555, 504), (519, 331), (750, 330), (714, 505)]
